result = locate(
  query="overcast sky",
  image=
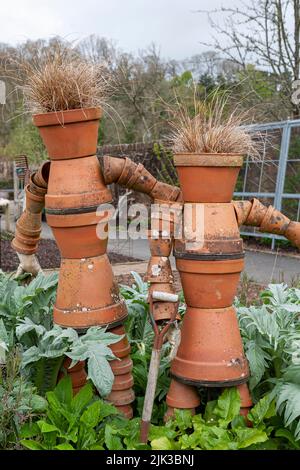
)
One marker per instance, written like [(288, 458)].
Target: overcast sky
[(133, 24)]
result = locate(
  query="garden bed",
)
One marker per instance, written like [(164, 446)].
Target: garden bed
[(48, 255)]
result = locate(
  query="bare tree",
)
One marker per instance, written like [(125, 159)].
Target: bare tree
[(264, 33)]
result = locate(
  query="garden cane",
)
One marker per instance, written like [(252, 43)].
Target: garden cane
[(159, 335)]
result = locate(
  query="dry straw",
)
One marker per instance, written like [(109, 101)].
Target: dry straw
[(212, 129), (63, 80)]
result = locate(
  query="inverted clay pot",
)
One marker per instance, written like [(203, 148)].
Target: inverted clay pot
[(209, 284), (121, 397), (77, 235), (246, 400), (69, 134), (159, 270), (158, 244), (209, 229), (122, 348), (19, 247), (27, 240), (87, 294), (293, 233), (211, 351), (29, 224), (163, 310), (182, 396), (75, 184), (123, 382), (126, 411), (207, 177), (77, 374), (123, 366)]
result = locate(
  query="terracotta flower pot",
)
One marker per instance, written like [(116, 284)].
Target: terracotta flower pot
[(126, 410), (246, 400), (165, 192), (77, 374), (207, 177), (35, 189), (211, 351), (69, 134), (77, 234), (30, 224), (182, 396), (163, 310), (274, 222), (87, 294), (19, 247), (209, 284), (159, 270), (166, 216), (40, 178), (159, 246), (209, 229), (26, 240), (76, 183), (34, 203), (123, 366), (121, 397), (121, 348), (293, 233), (123, 382)]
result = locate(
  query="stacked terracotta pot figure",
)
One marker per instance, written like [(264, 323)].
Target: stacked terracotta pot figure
[(87, 293), (209, 259), (71, 187)]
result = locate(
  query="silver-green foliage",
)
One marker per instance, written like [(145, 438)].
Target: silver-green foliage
[(271, 334), (26, 319)]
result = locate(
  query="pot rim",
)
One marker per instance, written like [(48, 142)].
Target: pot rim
[(187, 159), (74, 220), (217, 267), (69, 116)]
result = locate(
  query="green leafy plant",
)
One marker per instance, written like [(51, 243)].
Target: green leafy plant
[(71, 423), (44, 358), (271, 335), (221, 427), (26, 319), (18, 402)]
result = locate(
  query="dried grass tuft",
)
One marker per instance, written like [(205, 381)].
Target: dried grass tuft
[(212, 129), (63, 80)]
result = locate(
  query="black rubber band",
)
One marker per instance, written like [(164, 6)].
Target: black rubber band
[(208, 257), (211, 383), (73, 210)]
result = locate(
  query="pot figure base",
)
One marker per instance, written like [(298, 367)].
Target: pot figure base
[(211, 350)]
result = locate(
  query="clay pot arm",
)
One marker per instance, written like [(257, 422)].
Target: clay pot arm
[(267, 219), (160, 277), (29, 225), (123, 171)]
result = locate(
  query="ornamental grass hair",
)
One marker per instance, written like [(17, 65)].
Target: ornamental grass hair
[(210, 128), (64, 80)]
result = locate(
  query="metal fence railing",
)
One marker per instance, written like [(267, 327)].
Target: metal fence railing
[(275, 178)]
